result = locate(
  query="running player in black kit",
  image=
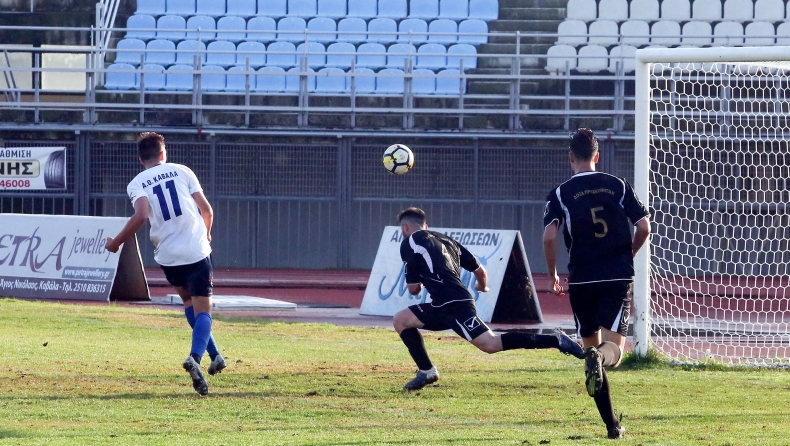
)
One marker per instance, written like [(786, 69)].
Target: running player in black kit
[(434, 260), (596, 211)]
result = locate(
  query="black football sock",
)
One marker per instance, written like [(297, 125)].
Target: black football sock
[(603, 401), (610, 353), (413, 340), (516, 339)]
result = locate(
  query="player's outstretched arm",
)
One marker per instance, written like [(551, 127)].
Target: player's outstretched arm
[(550, 252), (206, 211), (640, 235), (141, 212), (481, 276)]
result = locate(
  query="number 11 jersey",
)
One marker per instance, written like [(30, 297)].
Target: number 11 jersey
[(177, 229)]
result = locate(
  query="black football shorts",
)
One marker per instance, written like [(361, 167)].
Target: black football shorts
[(461, 317), (601, 305), (196, 278)]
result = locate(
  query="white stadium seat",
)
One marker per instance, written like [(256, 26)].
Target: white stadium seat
[(212, 8), (314, 52), (665, 33), (136, 23), (616, 10), (331, 80), (262, 29), (390, 81), (584, 10), (172, 22), (302, 8), (129, 51), (393, 9), (454, 9), (292, 78), (271, 8), (572, 32), (728, 34), (635, 32), (118, 80), (203, 23), (363, 79), (270, 80), (242, 8), (623, 54), (281, 54), (604, 32), (382, 30), (152, 77), (364, 9), (448, 82), (150, 7), (335, 9), (462, 52), (707, 10), (179, 78), (371, 55), (643, 10), (431, 56), (445, 31), (759, 34), (424, 9), (237, 79), (398, 53), (160, 51), (235, 28), (423, 82), (352, 30), (180, 7), (188, 49), (592, 59), (486, 10), (340, 55), (696, 33), (413, 31), (256, 51), (769, 10), (783, 34), (677, 10), (295, 27), (738, 10), (560, 57), (212, 78), (472, 27), (322, 29), (221, 53)]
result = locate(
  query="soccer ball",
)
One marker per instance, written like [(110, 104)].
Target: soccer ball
[(398, 159)]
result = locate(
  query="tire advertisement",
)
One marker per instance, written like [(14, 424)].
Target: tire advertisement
[(33, 168)]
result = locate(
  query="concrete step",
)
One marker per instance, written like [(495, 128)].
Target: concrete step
[(517, 4), (532, 26), (533, 14), (53, 19), (528, 39), (40, 6), (501, 87)]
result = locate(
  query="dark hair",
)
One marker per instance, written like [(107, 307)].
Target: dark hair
[(150, 145), (584, 144), (413, 216)]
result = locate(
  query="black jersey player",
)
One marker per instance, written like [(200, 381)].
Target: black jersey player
[(596, 211), (434, 260)]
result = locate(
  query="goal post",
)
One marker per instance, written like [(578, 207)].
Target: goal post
[(712, 163)]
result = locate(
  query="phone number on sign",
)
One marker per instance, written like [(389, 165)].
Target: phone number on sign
[(79, 287), (14, 183)]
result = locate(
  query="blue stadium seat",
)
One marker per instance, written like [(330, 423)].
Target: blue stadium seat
[(177, 80), (340, 55), (221, 53), (364, 9), (335, 9), (371, 55), (137, 23), (237, 79), (398, 53), (355, 30), (188, 49), (388, 81), (424, 9), (292, 80), (295, 24), (418, 26), (236, 27), (213, 78), (117, 80), (443, 31), (331, 80), (324, 29), (393, 9), (271, 80), (205, 24), (382, 31), (181, 7), (473, 26), (484, 9), (150, 7), (364, 80), (432, 56), (211, 8), (272, 8), (243, 8), (256, 51), (448, 82), (261, 29), (129, 51), (462, 51), (423, 82), (281, 54), (160, 51), (314, 52), (302, 8), (153, 77), (173, 22), (453, 9)]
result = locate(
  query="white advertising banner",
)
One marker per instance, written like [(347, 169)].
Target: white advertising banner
[(32, 168)]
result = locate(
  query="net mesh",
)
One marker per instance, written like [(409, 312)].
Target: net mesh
[(720, 194)]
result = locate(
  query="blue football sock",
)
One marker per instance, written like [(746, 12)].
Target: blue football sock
[(211, 348), (200, 334)]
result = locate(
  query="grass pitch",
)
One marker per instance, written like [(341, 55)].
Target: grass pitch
[(74, 374)]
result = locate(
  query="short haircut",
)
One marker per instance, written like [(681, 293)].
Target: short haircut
[(150, 145), (584, 144), (412, 216)]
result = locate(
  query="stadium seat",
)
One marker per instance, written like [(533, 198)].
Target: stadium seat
[(129, 51), (363, 9), (769, 10), (121, 76), (635, 32), (314, 52), (292, 80), (393, 9), (273, 8), (221, 53), (584, 10), (398, 53), (783, 34), (352, 30), (487, 10), (243, 8), (177, 80), (424, 9), (160, 51), (330, 80), (728, 34), (473, 26), (738, 10), (205, 25), (141, 26), (235, 29), (432, 56), (560, 57), (323, 28), (270, 80), (180, 7), (152, 77), (151, 7), (256, 51), (604, 32), (389, 81), (707, 10), (335, 9), (453, 9), (281, 54), (237, 79), (759, 34), (696, 33), (572, 32), (413, 31), (213, 78), (302, 8), (188, 49), (423, 82), (459, 52), (592, 59), (643, 10), (382, 30), (443, 31), (623, 54), (448, 82), (211, 8), (340, 54), (371, 55), (677, 10), (261, 29), (297, 27), (616, 10), (171, 22), (665, 33), (363, 79)]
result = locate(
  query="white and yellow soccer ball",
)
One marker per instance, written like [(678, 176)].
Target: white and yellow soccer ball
[(398, 159)]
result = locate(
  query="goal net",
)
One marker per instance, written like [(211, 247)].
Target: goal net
[(713, 164)]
